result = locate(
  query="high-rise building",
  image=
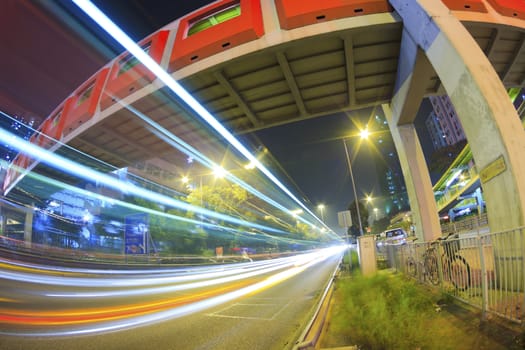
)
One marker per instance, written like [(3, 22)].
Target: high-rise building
[(392, 184), (443, 123)]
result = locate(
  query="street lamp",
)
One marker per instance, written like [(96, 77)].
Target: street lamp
[(321, 208), (364, 134)]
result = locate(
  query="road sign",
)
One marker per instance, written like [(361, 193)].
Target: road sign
[(136, 233), (344, 218)]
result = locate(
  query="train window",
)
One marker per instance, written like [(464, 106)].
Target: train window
[(129, 61), (86, 93), (215, 18)]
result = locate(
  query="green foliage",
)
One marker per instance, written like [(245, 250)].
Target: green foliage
[(226, 198), (363, 213), (384, 312), (355, 259), (380, 225)]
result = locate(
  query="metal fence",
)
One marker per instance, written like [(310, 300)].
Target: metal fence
[(477, 223), (482, 270)]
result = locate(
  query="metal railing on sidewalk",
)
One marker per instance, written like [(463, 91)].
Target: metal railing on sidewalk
[(482, 270)]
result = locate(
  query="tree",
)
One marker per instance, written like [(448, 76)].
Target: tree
[(226, 198), (380, 225), (363, 211)]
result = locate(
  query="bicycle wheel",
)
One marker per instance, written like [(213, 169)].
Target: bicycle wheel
[(411, 267), (431, 267), (460, 273), (445, 261)]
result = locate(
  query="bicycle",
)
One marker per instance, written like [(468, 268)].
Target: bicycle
[(456, 269), (411, 264), (411, 267), (430, 263), (428, 266)]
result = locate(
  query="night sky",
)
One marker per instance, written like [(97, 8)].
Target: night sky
[(311, 152)]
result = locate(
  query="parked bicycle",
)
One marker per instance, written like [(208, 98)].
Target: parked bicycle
[(455, 268), (427, 268)]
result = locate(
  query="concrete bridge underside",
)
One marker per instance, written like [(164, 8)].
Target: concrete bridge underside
[(388, 59)]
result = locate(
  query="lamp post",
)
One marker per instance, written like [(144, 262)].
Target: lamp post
[(364, 134), (321, 208)]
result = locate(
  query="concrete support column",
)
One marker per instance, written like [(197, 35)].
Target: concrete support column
[(489, 119), (417, 180), (414, 72)]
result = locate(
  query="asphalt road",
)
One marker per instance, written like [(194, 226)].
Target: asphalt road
[(271, 316)]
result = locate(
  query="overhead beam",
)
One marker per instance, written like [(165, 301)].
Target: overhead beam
[(237, 98), (292, 84), (103, 150), (350, 69), (517, 53), (491, 48)]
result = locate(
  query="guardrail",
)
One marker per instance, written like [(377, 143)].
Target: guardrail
[(47, 254), (485, 270), (311, 334)]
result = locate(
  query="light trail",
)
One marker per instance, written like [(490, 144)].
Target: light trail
[(86, 173), (123, 39), (138, 208), (185, 148), (58, 316)]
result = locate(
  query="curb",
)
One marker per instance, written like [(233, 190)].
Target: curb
[(312, 332)]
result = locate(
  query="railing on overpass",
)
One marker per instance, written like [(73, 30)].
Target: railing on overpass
[(472, 224), (485, 270), (445, 194), (470, 177)]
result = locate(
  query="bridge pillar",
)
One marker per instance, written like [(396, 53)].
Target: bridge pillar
[(414, 71), (415, 171), (489, 119)]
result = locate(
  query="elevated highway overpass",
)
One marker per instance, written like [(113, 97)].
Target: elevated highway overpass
[(271, 63)]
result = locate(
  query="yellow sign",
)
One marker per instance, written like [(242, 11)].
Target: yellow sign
[(493, 169)]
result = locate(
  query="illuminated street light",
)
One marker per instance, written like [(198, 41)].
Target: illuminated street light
[(364, 135), (219, 172), (296, 212), (321, 208), (250, 166), (185, 179)]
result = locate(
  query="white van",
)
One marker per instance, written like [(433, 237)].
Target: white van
[(395, 236)]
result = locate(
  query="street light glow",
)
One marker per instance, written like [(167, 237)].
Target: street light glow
[(364, 133), (297, 212), (321, 208), (219, 172), (249, 166)]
